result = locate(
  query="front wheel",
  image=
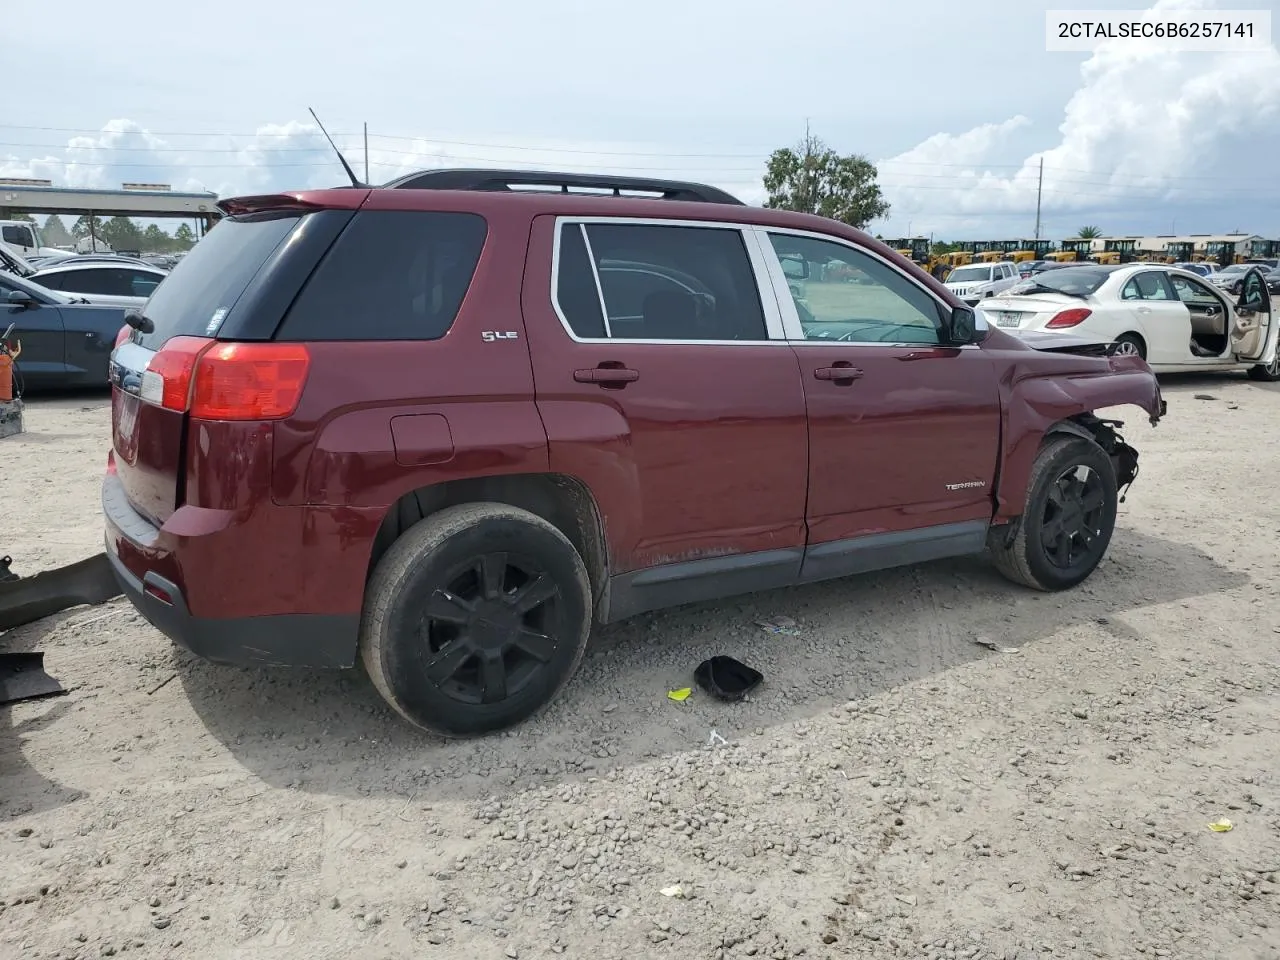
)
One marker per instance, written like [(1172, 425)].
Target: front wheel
[(1068, 519), (1266, 373), (475, 619)]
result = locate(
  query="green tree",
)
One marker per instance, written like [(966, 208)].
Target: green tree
[(19, 215), (183, 238), (813, 178), (122, 234), (55, 232), (80, 228), (1088, 233), (155, 240)]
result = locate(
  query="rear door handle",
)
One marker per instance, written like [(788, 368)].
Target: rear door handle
[(839, 372), (1144, 309), (606, 375)]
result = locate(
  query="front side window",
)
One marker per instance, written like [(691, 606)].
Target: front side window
[(851, 296), (1194, 293), (626, 281)]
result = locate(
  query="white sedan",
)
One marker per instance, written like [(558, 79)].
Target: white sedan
[(1175, 320), (108, 283)]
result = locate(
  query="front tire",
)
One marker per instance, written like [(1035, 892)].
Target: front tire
[(475, 619), (1068, 519), (1266, 373)]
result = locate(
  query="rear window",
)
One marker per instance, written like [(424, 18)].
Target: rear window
[(391, 275), (203, 288)]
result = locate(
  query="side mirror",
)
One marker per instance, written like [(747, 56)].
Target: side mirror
[(19, 298), (963, 328), (795, 268)]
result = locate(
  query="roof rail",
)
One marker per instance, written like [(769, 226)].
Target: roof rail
[(504, 180)]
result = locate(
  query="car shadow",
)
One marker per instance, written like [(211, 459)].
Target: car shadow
[(330, 733), (25, 789)]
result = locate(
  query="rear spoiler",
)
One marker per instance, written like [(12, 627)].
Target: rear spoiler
[(345, 198)]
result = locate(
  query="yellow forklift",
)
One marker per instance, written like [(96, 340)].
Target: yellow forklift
[(1073, 251), (1223, 252)]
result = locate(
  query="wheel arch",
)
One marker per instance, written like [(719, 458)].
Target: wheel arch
[(562, 500)]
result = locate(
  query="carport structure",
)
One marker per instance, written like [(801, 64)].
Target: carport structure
[(135, 200)]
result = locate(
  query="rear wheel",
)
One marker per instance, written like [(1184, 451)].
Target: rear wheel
[(1068, 520), (475, 619), (1130, 345), (1266, 373)]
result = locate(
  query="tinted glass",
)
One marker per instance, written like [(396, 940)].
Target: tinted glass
[(142, 284), (676, 283), (205, 285), (969, 275), (391, 275), (20, 236), (576, 285), (1146, 286), (89, 282), (853, 297), (1077, 281)]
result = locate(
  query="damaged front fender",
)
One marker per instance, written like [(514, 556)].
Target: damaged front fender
[(1036, 401)]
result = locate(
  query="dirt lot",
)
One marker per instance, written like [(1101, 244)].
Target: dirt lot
[(894, 790)]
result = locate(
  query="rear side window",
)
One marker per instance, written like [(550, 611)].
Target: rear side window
[(391, 275), (203, 288), (657, 283)]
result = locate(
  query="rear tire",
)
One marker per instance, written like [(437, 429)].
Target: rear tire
[(1130, 344), (475, 619), (1269, 373), (1068, 519)]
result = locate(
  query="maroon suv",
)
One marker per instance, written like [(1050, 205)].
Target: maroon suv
[(447, 424)]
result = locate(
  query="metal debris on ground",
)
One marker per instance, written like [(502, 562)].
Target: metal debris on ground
[(992, 645), (22, 677), (783, 626)]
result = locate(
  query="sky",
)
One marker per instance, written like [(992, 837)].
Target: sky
[(956, 103)]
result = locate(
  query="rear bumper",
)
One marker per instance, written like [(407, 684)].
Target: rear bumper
[(146, 562)]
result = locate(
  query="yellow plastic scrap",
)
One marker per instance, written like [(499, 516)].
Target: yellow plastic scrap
[(1221, 825), (681, 695), (676, 891)]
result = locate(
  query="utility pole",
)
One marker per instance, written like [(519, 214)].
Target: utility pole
[(366, 152), (808, 170), (1039, 190)]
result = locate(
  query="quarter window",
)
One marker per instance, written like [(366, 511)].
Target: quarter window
[(628, 281), (850, 296)]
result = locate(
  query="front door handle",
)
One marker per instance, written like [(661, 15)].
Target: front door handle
[(606, 375), (839, 372)]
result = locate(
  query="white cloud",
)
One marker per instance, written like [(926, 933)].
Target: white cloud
[(1146, 135)]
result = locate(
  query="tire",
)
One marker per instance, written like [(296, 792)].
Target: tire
[(1027, 560), (1130, 343), (1268, 373), (442, 619)]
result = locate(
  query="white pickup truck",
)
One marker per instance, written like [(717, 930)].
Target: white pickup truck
[(23, 236)]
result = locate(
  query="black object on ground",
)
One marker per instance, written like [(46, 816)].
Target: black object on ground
[(727, 678), (22, 677), (27, 599)]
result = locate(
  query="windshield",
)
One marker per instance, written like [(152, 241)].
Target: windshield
[(203, 288), (969, 275), (1236, 268), (1073, 281)]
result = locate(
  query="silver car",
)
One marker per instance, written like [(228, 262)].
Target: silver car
[(977, 281), (110, 284)]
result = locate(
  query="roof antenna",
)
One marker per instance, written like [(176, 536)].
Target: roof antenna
[(341, 159)]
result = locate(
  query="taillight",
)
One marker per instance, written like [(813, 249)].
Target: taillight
[(1069, 318), (123, 334), (227, 381), (249, 381)]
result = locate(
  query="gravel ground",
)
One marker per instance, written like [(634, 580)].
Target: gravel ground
[(895, 789)]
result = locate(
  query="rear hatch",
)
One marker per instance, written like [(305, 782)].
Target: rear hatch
[(209, 292)]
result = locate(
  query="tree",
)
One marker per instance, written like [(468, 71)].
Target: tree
[(122, 234), (55, 232), (155, 240), (19, 215), (80, 228), (813, 178), (183, 238), (1088, 233)]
